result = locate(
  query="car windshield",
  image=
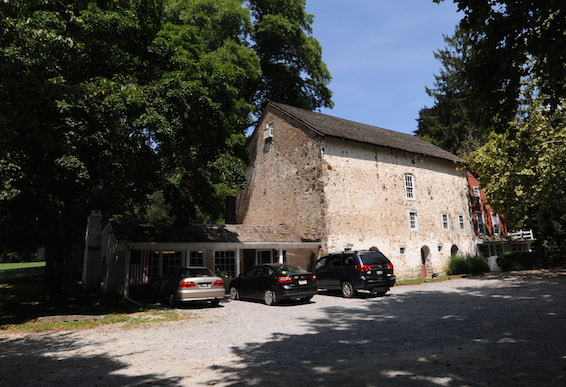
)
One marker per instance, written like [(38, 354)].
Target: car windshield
[(290, 269), (373, 258), (197, 272)]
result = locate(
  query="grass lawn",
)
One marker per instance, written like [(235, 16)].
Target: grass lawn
[(21, 291)]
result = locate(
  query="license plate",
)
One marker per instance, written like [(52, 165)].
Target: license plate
[(379, 272), (302, 282), (204, 285)]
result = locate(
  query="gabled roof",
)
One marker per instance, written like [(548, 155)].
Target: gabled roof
[(203, 233), (326, 125)]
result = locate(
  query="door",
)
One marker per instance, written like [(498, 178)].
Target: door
[(247, 283), (328, 275)]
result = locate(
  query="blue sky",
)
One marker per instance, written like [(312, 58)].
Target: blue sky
[(380, 56)]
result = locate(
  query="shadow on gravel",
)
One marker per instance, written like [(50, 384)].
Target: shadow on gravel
[(46, 360), (508, 332)]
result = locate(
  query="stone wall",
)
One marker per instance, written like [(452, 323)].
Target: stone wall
[(285, 184), (366, 206)]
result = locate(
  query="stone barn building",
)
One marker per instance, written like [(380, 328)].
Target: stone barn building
[(355, 186)]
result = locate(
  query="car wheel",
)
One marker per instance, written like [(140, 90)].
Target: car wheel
[(269, 297), (306, 299), (347, 290), (172, 300), (234, 293)]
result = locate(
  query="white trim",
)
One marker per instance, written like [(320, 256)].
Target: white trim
[(442, 215), (409, 185), (476, 190), (416, 220), (461, 221)]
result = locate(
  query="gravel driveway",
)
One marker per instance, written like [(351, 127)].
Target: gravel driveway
[(494, 330)]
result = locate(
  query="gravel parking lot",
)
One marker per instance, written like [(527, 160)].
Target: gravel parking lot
[(494, 330)]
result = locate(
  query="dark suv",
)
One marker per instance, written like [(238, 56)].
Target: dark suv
[(351, 271)]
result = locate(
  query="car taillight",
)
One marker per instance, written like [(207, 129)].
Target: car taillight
[(313, 278), (284, 280), (187, 284), (219, 283), (390, 266), (363, 267)]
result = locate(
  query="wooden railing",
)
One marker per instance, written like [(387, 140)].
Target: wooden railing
[(522, 234)]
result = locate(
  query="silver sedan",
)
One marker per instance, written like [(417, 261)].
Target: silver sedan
[(193, 284)]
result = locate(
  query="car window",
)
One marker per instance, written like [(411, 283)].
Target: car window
[(262, 271), (348, 260), (291, 269), (373, 258), (321, 262), (334, 261), (197, 272), (251, 273)]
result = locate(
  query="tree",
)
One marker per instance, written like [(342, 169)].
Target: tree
[(454, 122), (511, 40), (137, 109), (523, 170), (291, 58), (104, 103)]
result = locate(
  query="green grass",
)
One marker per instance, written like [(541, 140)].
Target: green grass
[(425, 280), (126, 321), (12, 271), (21, 290)]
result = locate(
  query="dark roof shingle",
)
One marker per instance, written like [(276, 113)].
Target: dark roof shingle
[(202, 233), (327, 125)]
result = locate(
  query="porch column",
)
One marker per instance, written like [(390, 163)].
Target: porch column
[(237, 262), (280, 255), (127, 283)]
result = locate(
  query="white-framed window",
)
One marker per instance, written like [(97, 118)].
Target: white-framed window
[(225, 263), (461, 221), (402, 250), (496, 225), (196, 258), (481, 222), (445, 222), (413, 220), (477, 194), (439, 247), (268, 130), (409, 186)]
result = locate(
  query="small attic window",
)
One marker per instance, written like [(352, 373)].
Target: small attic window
[(268, 131)]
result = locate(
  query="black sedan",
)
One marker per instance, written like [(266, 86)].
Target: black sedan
[(273, 283)]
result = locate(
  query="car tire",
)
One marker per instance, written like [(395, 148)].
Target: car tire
[(234, 293), (306, 299), (269, 297), (172, 300), (347, 290)]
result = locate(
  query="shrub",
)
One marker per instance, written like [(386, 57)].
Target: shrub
[(467, 265), (521, 260)]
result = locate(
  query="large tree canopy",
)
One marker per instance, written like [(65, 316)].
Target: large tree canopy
[(454, 121), (108, 104), (513, 39)]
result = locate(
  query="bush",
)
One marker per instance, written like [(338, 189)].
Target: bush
[(467, 265), (522, 260)]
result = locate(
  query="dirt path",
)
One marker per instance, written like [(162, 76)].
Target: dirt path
[(496, 330)]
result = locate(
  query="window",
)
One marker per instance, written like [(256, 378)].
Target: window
[(196, 258), (461, 221), (445, 224), (225, 263), (402, 250), (172, 261), (413, 220), (348, 260), (495, 221), (409, 186), (439, 247), (481, 222), (477, 195), (268, 131)]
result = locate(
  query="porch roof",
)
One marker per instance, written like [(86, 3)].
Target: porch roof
[(207, 234)]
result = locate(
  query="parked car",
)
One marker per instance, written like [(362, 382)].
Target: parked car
[(273, 283), (350, 271), (191, 284)]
